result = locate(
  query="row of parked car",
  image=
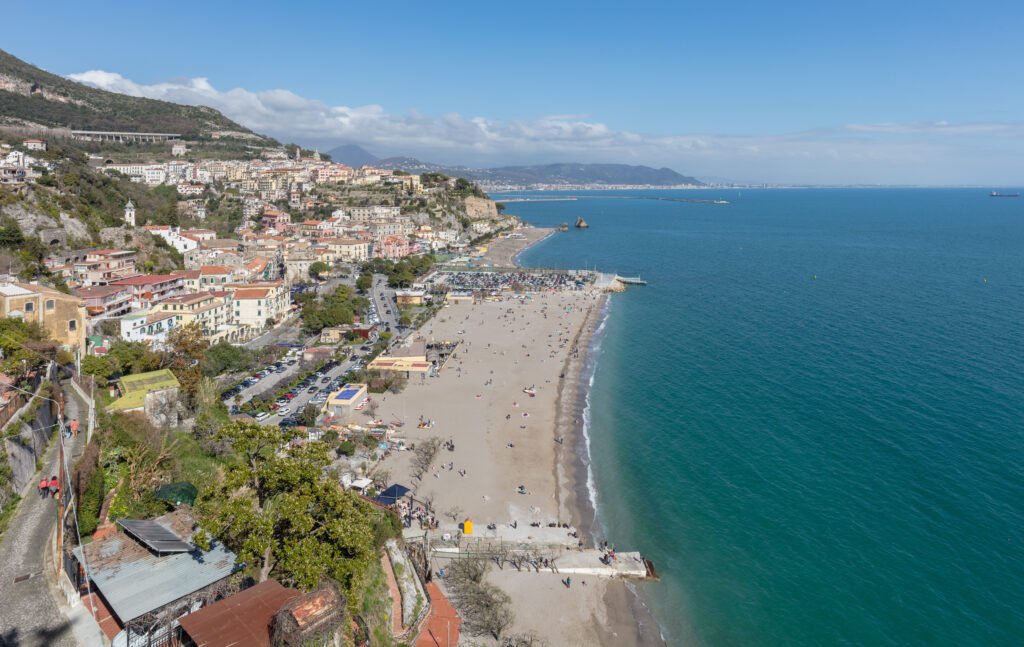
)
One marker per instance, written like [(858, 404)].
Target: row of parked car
[(279, 366), (320, 384)]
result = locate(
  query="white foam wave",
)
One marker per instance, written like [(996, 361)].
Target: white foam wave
[(590, 365)]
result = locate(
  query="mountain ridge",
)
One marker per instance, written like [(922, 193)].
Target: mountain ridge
[(31, 96), (553, 173)]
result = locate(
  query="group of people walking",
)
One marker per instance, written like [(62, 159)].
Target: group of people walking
[(49, 487)]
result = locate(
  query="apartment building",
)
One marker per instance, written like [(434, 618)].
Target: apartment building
[(174, 237), (255, 303), (149, 326), (104, 266), (105, 301), (150, 289), (214, 311)]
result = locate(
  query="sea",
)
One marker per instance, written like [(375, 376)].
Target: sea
[(811, 418)]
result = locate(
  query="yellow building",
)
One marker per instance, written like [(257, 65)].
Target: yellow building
[(61, 315), (344, 403)]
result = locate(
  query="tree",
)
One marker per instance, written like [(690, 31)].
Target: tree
[(423, 457), (99, 366), (276, 510), (317, 269), (187, 350), (364, 282), (226, 358), (308, 416)]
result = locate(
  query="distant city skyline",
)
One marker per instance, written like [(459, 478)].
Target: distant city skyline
[(804, 93)]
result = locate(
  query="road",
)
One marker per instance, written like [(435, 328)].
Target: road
[(385, 303), (28, 612)]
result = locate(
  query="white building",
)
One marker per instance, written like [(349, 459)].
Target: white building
[(174, 238)]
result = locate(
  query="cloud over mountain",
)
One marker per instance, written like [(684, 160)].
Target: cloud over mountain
[(884, 153)]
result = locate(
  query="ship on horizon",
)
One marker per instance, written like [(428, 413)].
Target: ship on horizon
[(996, 194)]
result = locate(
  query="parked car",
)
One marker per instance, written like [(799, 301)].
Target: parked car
[(284, 411), (263, 416)]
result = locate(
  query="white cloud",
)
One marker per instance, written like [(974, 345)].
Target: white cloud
[(886, 153)]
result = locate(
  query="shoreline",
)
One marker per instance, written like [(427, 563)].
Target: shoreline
[(518, 464), (626, 614)]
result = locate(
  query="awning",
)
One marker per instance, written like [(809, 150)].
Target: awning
[(391, 495)]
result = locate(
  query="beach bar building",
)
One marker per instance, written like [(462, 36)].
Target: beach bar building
[(344, 403)]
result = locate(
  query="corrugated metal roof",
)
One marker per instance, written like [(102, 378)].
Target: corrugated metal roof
[(157, 537), (134, 581), (242, 619)]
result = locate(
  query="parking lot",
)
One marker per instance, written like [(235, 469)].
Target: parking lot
[(315, 389)]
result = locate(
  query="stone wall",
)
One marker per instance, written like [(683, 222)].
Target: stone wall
[(28, 445)]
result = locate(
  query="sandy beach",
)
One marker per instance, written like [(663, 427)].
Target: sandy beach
[(502, 251), (505, 438)]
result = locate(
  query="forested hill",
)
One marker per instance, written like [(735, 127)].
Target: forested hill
[(30, 95)]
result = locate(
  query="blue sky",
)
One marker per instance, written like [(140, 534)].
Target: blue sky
[(822, 92)]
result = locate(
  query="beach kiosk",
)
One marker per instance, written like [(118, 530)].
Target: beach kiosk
[(344, 403), (467, 527)]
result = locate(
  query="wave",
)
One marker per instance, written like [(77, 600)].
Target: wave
[(587, 377)]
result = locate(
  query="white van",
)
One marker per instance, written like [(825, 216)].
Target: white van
[(263, 416)]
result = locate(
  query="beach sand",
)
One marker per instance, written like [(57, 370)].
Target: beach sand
[(478, 403), (502, 252)]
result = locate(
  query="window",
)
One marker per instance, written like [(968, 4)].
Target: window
[(50, 304), (29, 307), (72, 325)]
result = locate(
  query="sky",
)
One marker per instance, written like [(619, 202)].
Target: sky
[(897, 92)]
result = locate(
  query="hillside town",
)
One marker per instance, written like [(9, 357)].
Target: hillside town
[(278, 296), (253, 395), (297, 212)]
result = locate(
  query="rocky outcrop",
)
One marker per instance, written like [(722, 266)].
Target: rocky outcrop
[(480, 208)]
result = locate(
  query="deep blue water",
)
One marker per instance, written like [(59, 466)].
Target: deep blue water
[(812, 418)]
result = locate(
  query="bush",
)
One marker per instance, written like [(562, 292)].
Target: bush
[(91, 503), (347, 448)]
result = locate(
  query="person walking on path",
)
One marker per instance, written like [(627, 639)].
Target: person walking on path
[(44, 486), (54, 486), (74, 428)]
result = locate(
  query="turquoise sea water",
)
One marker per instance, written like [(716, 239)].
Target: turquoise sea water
[(812, 418)]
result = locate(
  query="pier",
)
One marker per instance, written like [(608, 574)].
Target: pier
[(631, 280), (543, 550)]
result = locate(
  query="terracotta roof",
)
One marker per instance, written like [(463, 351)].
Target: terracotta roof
[(242, 619), (214, 269), (252, 293)]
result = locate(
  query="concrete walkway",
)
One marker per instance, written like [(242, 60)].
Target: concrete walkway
[(29, 614)]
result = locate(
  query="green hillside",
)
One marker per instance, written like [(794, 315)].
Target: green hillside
[(29, 94)]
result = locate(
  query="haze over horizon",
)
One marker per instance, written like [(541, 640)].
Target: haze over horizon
[(803, 93)]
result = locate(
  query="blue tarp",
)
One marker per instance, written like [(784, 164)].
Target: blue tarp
[(391, 495)]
